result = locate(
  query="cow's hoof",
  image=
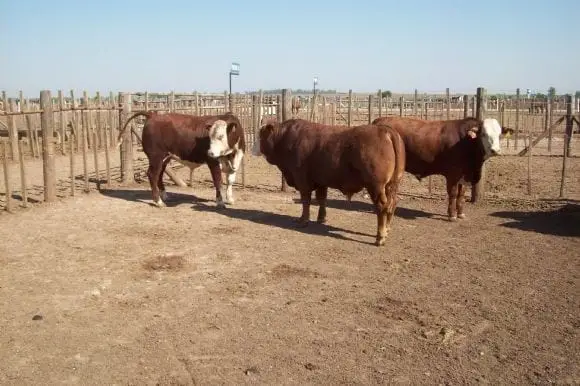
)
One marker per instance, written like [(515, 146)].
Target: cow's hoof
[(453, 218), (321, 220), (461, 216), (380, 241), (163, 195), (229, 202), (160, 204), (301, 223), (220, 205)]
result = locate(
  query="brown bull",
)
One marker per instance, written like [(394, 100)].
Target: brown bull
[(315, 157), (455, 149), (215, 140)]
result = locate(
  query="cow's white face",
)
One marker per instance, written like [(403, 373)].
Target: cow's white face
[(218, 140), (490, 134)]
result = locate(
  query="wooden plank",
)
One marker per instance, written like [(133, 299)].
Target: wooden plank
[(48, 161), (478, 189), (62, 124), (23, 184), (7, 182)]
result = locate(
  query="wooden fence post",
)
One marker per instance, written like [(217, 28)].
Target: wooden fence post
[(9, 105), (478, 189), (370, 108), (286, 98), (172, 102), (48, 163), (517, 124), (7, 182), (547, 119), (569, 127), (349, 113), (62, 123), (415, 98), (401, 105), (85, 138), (22, 174), (567, 137), (380, 100), (127, 176), (465, 106), (113, 106), (448, 103)]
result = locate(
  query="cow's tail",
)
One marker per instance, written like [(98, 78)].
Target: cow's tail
[(392, 186), (400, 155), (146, 114)]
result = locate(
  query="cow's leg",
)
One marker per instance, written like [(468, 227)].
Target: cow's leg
[(452, 191), (216, 176), (391, 193), (160, 183), (236, 163), (231, 178), (379, 198), (460, 201), (153, 173), (321, 194), (305, 197)]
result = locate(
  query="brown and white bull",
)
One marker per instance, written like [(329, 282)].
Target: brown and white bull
[(215, 140), (455, 149), (315, 157)]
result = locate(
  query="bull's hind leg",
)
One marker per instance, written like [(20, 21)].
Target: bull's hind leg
[(160, 182), (379, 198), (452, 191), (306, 198), (154, 171), (391, 193), (461, 201), (321, 194)]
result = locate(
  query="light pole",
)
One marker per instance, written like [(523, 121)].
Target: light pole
[(235, 70), (315, 82)]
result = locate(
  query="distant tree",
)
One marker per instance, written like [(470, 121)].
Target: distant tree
[(540, 96), (387, 94), (552, 92)]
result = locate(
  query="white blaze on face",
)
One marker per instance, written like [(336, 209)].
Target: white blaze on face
[(490, 136), (218, 140)]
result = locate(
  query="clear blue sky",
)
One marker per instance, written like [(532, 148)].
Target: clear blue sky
[(157, 46)]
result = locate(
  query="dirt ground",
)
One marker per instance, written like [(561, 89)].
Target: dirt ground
[(103, 288)]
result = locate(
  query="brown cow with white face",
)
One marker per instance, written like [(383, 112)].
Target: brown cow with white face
[(455, 149), (215, 140), (315, 157)]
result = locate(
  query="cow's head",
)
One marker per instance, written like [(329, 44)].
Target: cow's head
[(489, 135), (263, 142), (222, 138)]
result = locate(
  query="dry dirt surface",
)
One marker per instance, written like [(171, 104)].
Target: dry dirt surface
[(104, 288)]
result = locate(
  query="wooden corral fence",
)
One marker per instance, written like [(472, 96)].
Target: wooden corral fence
[(50, 135)]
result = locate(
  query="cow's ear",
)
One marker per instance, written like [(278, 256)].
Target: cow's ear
[(472, 132), (231, 126), (208, 126)]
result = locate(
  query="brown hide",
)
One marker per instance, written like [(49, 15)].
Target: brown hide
[(315, 157), (445, 148), (186, 137)]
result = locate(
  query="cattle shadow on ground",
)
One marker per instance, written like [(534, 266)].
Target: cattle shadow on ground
[(144, 196), (285, 222), (564, 221), (368, 207)]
